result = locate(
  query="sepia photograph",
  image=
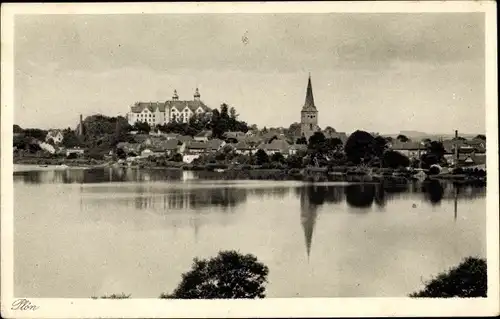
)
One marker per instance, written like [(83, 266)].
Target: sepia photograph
[(249, 159)]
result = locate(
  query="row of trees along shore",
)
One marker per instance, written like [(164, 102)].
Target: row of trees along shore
[(232, 275), (101, 134)]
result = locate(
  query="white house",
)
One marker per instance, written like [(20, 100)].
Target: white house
[(47, 147), (76, 150), (55, 135), (189, 158)]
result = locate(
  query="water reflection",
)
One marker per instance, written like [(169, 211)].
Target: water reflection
[(97, 175), (433, 191), (360, 195)]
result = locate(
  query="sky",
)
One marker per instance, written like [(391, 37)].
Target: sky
[(384, 72)]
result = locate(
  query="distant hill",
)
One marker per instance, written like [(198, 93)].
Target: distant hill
[(416, 135)]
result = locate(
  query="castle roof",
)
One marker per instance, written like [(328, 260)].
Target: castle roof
[(192, 105), (309, 103), (174, 103)]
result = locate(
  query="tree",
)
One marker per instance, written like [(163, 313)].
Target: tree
[(35, 133), (394, 159), (232, 113), (293, 131), (261, 157), (316, 140), (435, 149), (329, 131), (120, 153), (380, 146), (334, 144), (219, 125), (230, 275), (360, 147), (17, 129), (277, 157), (122, 128), (142, 127), (70, 139), (177, 157), (481, 137), (468, 279), (402, 138), (302, 140), (295, 160)]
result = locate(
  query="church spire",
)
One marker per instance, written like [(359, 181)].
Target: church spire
[(309, 104)]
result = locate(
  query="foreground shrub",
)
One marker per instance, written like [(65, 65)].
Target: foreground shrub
[(230, 275), (466, 280)]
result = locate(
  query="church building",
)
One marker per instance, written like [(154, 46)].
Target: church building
[(309, 114), (174, 110)]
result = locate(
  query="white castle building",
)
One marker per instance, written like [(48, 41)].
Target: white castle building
[(174, 110)]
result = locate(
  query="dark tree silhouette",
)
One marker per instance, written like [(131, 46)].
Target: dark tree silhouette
[(142, 127), (261, 157), (293, 131), (394, 159), (17, 129), (434, 191), (277, 157), (230, 275), (35, 133), (301, 140), (468, 279), (402, 138), (434, 155), (360, 196), (481, 137), (70, 139), (360, 146)]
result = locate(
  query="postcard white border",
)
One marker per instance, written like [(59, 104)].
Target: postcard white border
[(272, 307)]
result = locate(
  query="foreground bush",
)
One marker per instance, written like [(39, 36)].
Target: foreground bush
[(466, 280), (230, 275)]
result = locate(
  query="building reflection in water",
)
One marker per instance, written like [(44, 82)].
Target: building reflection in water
[(311, 198), (96, 175), (433, 191), (198, 197)]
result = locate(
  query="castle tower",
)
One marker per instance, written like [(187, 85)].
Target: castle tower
[(309, 114), (197, 95), (175, 97)]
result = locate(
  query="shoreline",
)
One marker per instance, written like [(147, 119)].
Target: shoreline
[(315, 175)]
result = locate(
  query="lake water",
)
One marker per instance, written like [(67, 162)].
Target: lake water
[(83, 233)]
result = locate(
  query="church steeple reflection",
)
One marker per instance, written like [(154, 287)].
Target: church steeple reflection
[(309, 213)]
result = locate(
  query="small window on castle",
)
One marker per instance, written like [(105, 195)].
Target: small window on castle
[(311, 126)]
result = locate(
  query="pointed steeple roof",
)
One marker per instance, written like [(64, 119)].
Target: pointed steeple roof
[(308, 221), (308, 215), (309, 103)]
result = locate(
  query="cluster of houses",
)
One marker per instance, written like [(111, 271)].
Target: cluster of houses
[(461, 152), (464, 152), (191, 148)]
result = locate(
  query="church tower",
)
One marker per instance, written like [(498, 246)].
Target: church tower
[(309, 114)]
